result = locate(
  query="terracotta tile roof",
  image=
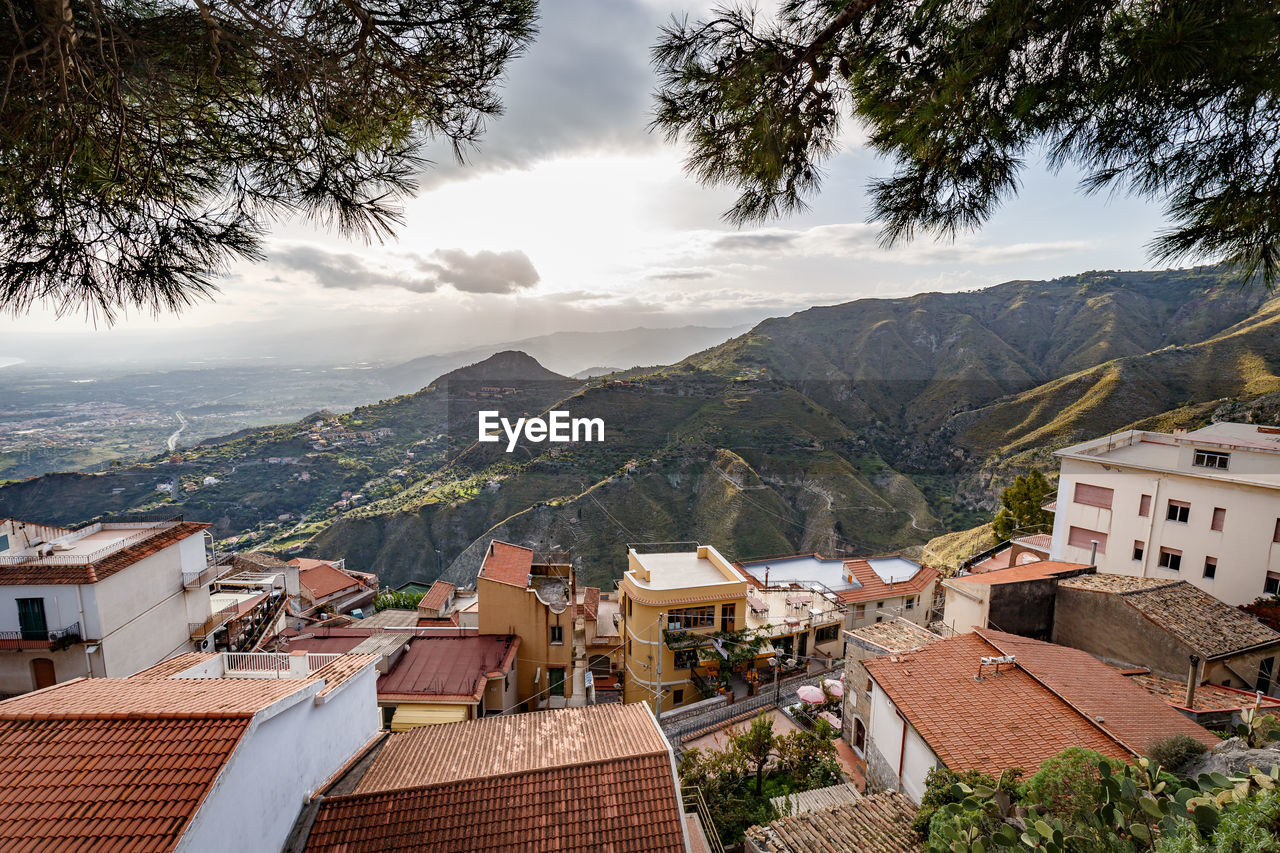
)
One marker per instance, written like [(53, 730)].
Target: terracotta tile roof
[(1037, 541), (590, 606), (323, 579), (391, 618), (36, 574), (120, 784), (174, 665), (517, 743), (874, 588), (1208, 698), (624, 804), (257, 561), (437, 596), (1128, 714), (1210, 627), (1040, 570), (895, 635), (1023, 723), (507, 563), (879, 823), (335, 674), (441, 669), (152, 698)]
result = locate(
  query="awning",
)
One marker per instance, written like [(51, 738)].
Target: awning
[(410, 716)]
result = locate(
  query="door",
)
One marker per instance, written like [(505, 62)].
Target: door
[(859, 735), (557, 680), (42, 673), (804, 645), (31, 619)]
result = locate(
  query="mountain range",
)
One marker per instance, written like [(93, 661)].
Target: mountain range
[(860, 428)]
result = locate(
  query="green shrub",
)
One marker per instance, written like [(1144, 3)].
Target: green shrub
[(939, 790), (1066, 784), (1252, 826), (395, 600), (1175, 751)]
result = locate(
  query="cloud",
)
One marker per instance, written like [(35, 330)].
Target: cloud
[(681, 275), (755, 241), (481, 272)]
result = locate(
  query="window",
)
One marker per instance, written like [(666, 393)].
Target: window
[(1093, 495), (628, 608), (557, 635), (1139, 548), (879, 605), (1275, 537), (1170, 559), (1210, 567), (1144, 506), (1211, 459), (1219, 518), (1266, 672), (677, 696), (727, 614), (1082, 537), (826, 634), (1271, 586), (691, 617), (859, 611), (1178, 511), (686, 658), (31, 621), (879, 619), (911, 603), (556, 675)]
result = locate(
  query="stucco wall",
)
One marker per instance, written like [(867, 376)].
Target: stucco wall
[(886, 748), (507, 609), (1024, 608), (1102, 625), (280, 762)]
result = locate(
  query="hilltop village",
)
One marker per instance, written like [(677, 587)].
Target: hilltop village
[(164, 694)]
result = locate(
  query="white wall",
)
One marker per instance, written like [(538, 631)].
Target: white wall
[(281, 761), (884, 733), (966, 605), (1243, 547)]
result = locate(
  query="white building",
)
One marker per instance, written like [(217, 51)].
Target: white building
[(1201, 506), (201, 753), (108, 599)]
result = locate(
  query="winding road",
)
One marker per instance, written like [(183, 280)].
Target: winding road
[(173, 439)]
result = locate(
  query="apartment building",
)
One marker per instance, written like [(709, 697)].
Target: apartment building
[(105, 600), (201, 753), (1200, 506), (696, 592)]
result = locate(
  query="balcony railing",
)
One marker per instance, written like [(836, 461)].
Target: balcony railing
[(204, 577), (200, 630), (273, 664), (56, 640)]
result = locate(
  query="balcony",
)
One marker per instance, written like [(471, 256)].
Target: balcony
[(200, 630), (203, 577), (62, 638), (273, 664)]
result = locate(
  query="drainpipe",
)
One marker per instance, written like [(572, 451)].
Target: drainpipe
[(1192, 672), (1093, 554), (902, 749)]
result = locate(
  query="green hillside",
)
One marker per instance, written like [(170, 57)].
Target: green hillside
[(859, 428)]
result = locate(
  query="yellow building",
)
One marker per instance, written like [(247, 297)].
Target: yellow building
[(535, 602), (696, 591)]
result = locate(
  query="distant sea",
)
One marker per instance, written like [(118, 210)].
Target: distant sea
[(5, 361)]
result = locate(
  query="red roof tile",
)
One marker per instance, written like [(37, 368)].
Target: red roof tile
[(447, 668), (874, 588), (1040, 570), (590, 606), (878, 823), (116, 698), (627, 804), (323, 579), (437, 596), (506, 563), (85, 573), (123, 784)]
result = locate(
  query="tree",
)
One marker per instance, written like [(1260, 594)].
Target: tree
[(758, 745), (147, 143), (1021, 507), (1173, 100)]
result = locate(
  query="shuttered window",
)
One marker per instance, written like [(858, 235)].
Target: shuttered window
[(1081, 537), (1144, 506), (1093, 495), (1219, 518)]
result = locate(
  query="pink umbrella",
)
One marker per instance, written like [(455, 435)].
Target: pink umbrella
[(809, 693), (834, 687)]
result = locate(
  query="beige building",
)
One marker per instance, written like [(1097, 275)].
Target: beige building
[(696, 591), (1201, 506), (108, 599)]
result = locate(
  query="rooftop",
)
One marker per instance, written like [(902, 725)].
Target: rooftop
[(1158, 451), (1052, 698), (871, 585), (1040, 570), (879, 823), (703, 566), (82, 556), (1210, 627), (828, 571), (894, 635), (507, 563), (1208, 698), (575, 779), (437, 597), (448, 668), (322, 579), (391, 618)]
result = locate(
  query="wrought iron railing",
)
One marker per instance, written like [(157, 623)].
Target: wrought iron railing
[(60, 638), (692, 796)]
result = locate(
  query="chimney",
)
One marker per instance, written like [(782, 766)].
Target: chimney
[(298, 664), (1093, 553), (1193, 670)]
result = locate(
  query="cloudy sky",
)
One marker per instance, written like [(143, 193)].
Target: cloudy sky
[(572, 216)]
